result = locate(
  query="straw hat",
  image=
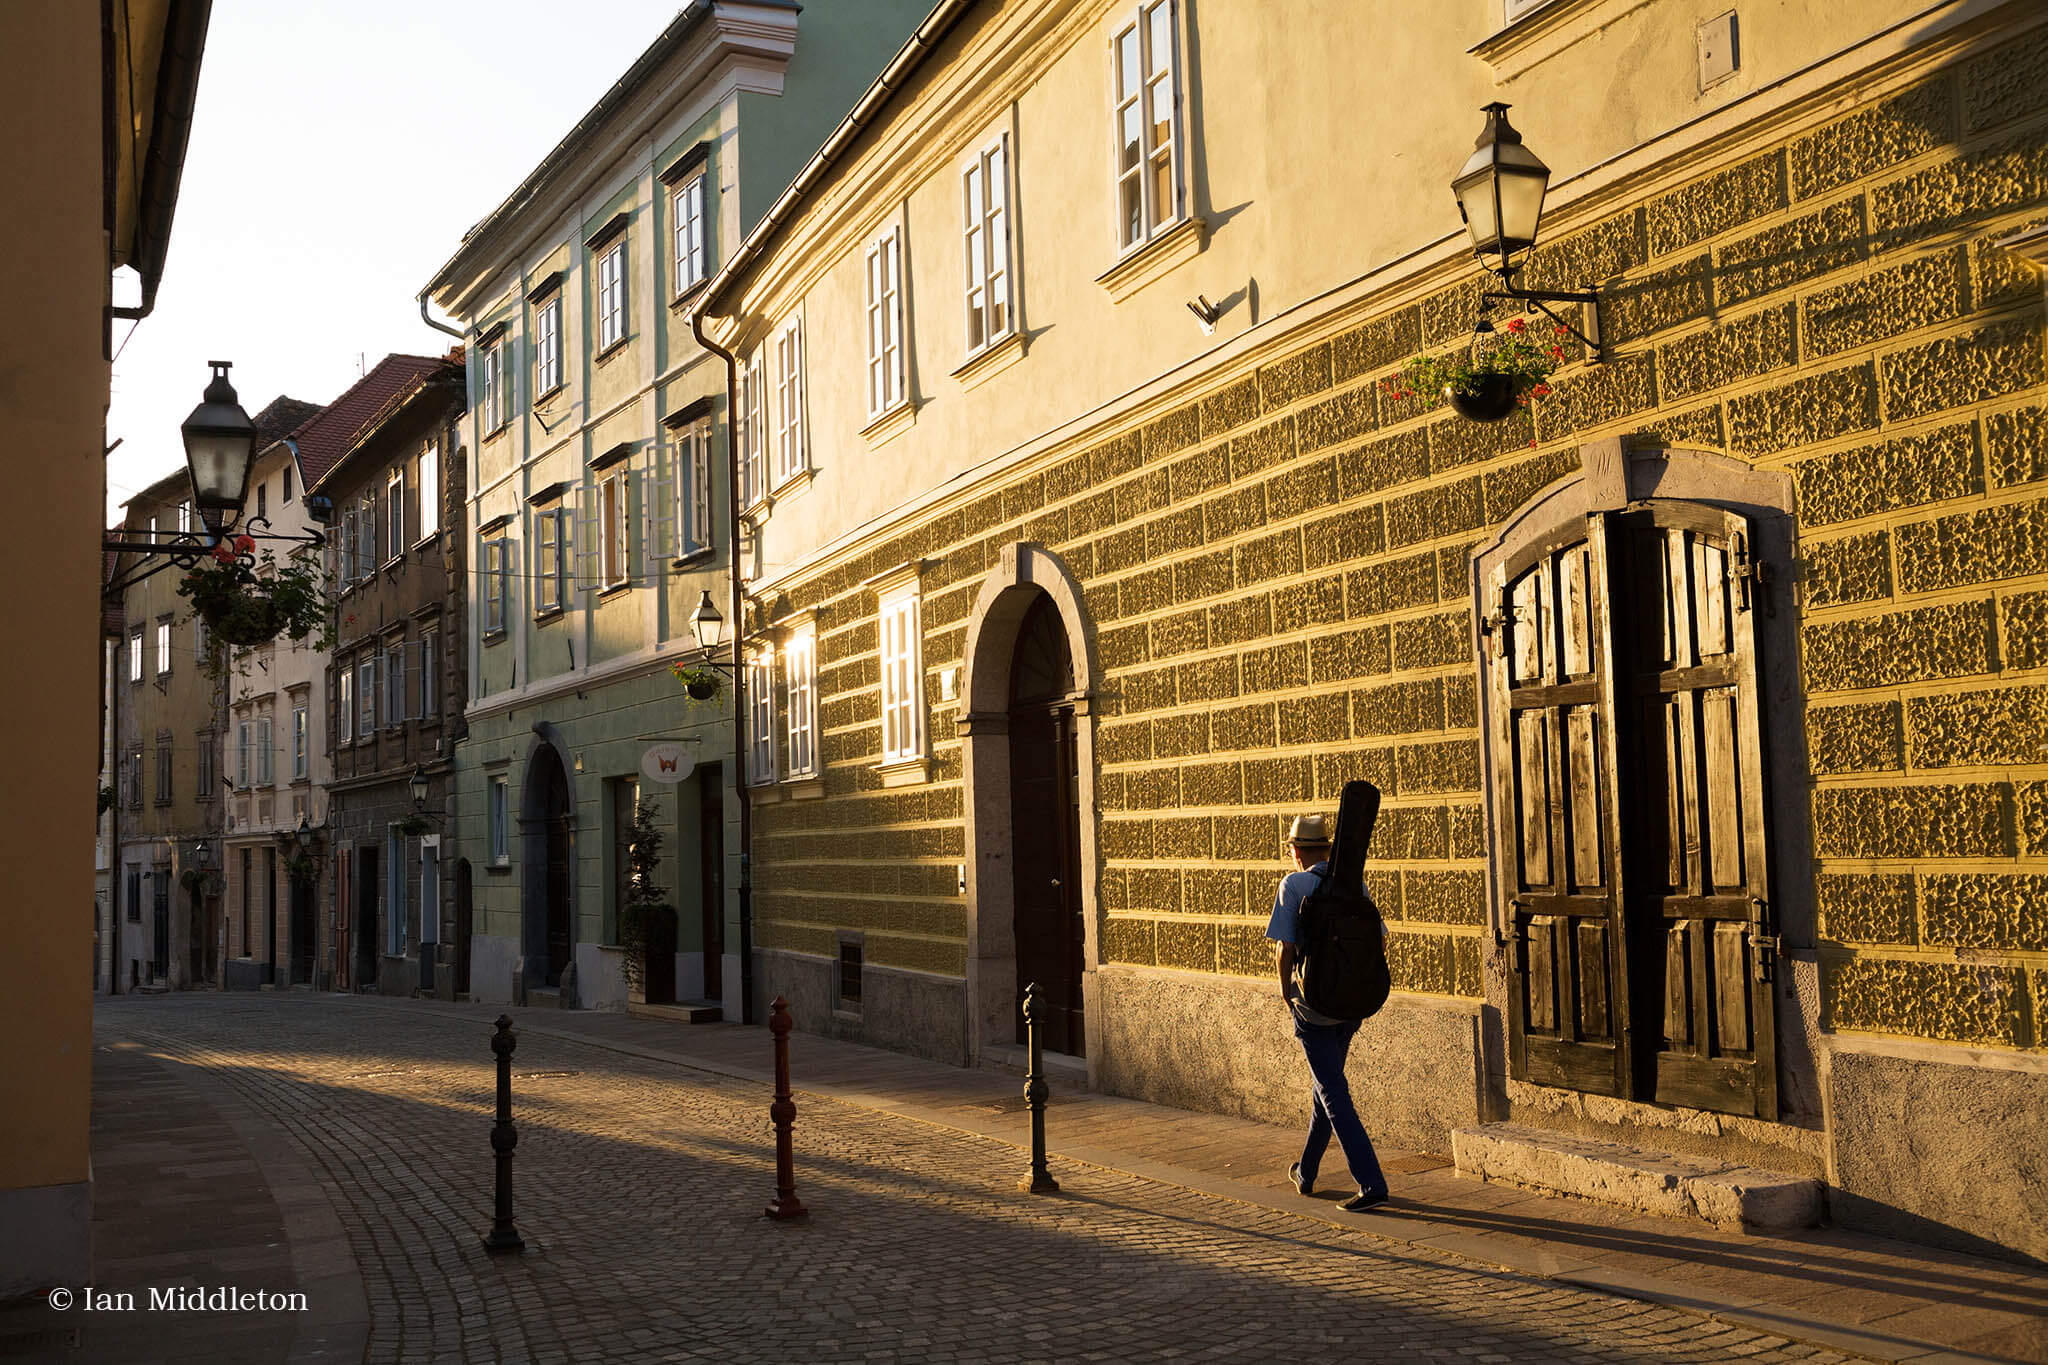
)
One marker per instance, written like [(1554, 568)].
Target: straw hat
[(1309, 831)]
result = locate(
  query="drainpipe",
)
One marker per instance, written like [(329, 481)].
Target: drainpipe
[(739, 709), (455, 332), (117, 883)]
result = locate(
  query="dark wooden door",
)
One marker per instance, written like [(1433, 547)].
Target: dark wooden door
[(302, 930), (1702, 953), (465, 921), (160, 924), (561, 866), (1555, 817), (367, 940), (1629, 811), (1046, 829), (711, 876)]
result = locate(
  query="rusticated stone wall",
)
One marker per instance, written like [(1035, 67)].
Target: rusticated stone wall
[(1275, 573)]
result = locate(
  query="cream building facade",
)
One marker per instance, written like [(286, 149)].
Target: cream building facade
[(1116, 548)]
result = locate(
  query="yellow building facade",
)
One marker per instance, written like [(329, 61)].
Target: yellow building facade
[(1706, 694)]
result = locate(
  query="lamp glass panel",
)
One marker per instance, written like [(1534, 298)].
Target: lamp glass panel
[(1521, 205), (1475, 196)]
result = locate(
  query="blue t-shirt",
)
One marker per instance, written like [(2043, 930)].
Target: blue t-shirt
[(1285, 925)]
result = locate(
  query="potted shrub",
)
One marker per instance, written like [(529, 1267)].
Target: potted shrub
[(702, 682), (248, 602), (646, 919), (1487, 381)]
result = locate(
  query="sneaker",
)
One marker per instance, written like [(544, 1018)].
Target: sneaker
[(1363, 1200), (1301, 1185)]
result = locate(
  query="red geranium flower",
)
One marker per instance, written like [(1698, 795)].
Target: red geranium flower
[(1517, 325), (245, 543), (1557, 352), (223, 554), (1541, 391)]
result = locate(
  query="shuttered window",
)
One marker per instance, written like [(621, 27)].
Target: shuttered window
[(800, 669), (902, 680)]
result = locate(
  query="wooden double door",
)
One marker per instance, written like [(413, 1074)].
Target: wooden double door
[(1045, 830), (1630, 810)]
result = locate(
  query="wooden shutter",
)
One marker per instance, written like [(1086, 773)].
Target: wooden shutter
[(659, 481), (1555, 808), (586, 541), (1695, 838)]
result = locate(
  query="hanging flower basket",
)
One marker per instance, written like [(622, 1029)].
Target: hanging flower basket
[(245, 602), (1497, 373), (700, 682)]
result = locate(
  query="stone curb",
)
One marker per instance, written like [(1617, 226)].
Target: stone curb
[(1389, 1225)]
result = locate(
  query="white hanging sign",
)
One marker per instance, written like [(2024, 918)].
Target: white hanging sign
[(667, 762)]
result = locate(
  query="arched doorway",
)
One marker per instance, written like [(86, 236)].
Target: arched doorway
[(548, 849), (1045, 783)]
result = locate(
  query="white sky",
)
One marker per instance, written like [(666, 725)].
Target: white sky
[(339, 151)]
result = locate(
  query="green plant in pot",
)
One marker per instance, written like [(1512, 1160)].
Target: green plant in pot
[(411, 826), (645, 916), (700, 681), (1499, 372), (245, 601)]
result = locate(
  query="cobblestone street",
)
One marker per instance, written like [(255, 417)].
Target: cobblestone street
[(641, 1187)]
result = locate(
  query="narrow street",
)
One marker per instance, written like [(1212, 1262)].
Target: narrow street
[(640, 1193)]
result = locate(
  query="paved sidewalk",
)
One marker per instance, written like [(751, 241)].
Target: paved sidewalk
[(1859, 1294)]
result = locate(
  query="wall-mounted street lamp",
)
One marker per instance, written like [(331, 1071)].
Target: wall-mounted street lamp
[(417, 788), (1500, 193), (707, 624)]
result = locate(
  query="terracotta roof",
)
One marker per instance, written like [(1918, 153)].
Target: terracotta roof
[(445, 378), (325, 438), (282, 417)]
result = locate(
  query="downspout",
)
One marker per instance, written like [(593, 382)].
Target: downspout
[(455, 332), (117, 883), (739, 621)]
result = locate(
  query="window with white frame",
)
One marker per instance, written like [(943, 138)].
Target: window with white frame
[(429, 480), (163, 645), (345, 705), (163, 768), (430, 675), (135, 655), (496, 407), (208, 741), (760, 689), (185, 512), (612, 529), (693, 486), (394, 684), (497, 584), (885, 322), (245, 739), (198, 640), (1147, 116), (366, 698), (265, 773), (394, 510), (501, 846), (688, 206), (300, 759), (611, 296), (800, 669), (985, 201), (349, 546), (547, 348), (789, 400), (753, 487), (902, 678), (551, 567), (368, 530)]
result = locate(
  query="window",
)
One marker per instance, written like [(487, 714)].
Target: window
[(1147, 124), (688, 206), (368, 527), (163, 768), (547, 349), (394, 684), (611, 296), (985, 200), (789, 401), (163, 645), (299, 757), (135, 655), (185, 510), (885, 322), (199, 640), (429, 481), (134, 892), (902, 680), (135, 778), (262, 499), (394, 894), (693, 487), (551, 590), (394, 510), (349, 545), (800, 668), (345, 707), (366, 698), (849, 973), (207, 742), (265, 773), (761, 717), (287, 487), (245, 739), (497, 584), (612, 530), (752, 488), (430, 674), (496, 407), (500, 845)]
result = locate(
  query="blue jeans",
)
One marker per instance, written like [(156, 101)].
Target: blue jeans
[(1325, 1046)]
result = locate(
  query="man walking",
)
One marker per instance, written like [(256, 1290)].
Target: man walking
[(1324, 1041)]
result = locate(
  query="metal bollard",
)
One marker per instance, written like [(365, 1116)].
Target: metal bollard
[(785, 1204), (503, 1237), (1040, 1180)]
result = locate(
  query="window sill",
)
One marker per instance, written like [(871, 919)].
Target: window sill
[(693, 559), (904, 772), (1544, 32), (546, 614), (614, 590), (500, 867), (549, 396), (804, 787), (793, 485), (1174, 247), (991, 359), (499, 430), (891, 424), (604, 356), (681, 302), (492, 637)]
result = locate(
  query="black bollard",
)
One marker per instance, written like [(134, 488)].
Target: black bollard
[(1040, 1180), (503, 1237), (782, 1112)]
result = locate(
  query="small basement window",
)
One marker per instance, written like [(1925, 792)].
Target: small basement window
[(849, 976)]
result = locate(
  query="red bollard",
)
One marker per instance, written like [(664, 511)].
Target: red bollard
[(783, 1111)]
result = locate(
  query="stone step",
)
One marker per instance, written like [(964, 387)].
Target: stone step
[(1728, 1196), (683, 1012)]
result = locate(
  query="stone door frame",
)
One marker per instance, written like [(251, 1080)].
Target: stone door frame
[(1022, 570)]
